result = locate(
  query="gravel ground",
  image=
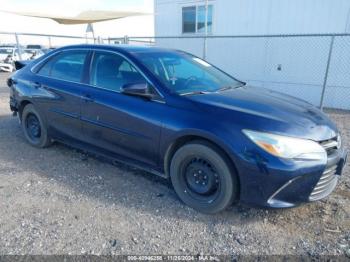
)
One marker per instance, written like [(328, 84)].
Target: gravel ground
[(61, 201)]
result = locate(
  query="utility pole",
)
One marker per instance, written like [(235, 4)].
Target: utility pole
[(330, 52), (90, 29), (206, 31), (18, 47)]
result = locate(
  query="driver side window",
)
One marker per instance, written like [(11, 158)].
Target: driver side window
[(112, 71)]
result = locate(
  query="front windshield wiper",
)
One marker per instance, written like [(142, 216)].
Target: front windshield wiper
[(225, 88), (218, 90), (194, 93), (230, 87)]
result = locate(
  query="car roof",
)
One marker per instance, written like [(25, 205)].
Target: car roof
[(7, 47), (120, 47)]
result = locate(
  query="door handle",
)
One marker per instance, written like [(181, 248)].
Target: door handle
[(87, 98)]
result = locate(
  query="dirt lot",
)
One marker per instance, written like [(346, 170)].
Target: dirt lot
[(61, 201)]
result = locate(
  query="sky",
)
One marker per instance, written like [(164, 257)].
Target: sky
[(133, 26)]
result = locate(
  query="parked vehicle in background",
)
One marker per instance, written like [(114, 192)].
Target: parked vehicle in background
[(34, 53), (8, 55), (39, 48), (178, 116), (36, 47), (47, 50)]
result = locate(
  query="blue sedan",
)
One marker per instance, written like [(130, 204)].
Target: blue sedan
[(217, 139)]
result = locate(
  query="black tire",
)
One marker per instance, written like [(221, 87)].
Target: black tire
[(34, 127), (192, 170)]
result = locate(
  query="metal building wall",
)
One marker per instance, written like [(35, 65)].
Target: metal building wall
[(293, 65)]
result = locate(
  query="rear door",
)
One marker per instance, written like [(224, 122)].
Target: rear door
[(62, 79), (126, 125)]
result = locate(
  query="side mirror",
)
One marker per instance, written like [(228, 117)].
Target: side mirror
[(137, 89)]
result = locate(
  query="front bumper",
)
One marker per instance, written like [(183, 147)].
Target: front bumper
[(282, 184), (6, 67)]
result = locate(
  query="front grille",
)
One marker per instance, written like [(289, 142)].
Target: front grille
[(325, 185), (329, 179)]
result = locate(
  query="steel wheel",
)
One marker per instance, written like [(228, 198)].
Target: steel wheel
[(33, 127), (203, 177)]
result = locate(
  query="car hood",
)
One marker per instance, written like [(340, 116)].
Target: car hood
[(291, 115)]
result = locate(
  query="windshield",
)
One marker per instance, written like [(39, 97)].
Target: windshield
[(7, 51), (186, 74)]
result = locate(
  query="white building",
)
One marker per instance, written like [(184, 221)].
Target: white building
[(242, 17), (294, 65)]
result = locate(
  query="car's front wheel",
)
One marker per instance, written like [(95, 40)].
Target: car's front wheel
[(203, 177), (34, 128)]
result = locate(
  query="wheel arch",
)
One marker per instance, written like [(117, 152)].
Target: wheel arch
[(22, 105), (187, 138)]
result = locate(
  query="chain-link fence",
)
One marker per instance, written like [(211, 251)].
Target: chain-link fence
[(46, 40), (315, 68)]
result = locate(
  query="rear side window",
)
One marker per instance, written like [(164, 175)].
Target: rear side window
[(66, 66), (112, 71)]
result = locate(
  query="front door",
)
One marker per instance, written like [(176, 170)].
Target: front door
[(126, 125)]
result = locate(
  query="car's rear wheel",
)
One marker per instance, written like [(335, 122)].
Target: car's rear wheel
[(34, 128), (203, 177)]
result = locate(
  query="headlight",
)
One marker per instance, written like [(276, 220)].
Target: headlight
[(287, 147)]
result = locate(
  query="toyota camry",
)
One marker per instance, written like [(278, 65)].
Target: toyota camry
[(173, 114)]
